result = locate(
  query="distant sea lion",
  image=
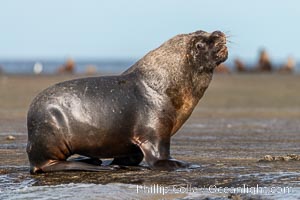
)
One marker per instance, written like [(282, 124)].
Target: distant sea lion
[(239, 65), (289, 66), (127, 117), (222, 69), (67, 68), (264, 62), (1, 70)]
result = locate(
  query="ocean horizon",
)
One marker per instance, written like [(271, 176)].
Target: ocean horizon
[(51, 66)]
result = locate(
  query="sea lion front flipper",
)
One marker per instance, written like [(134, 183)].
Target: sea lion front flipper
[(156, 151), (170, 164), (160, 159)]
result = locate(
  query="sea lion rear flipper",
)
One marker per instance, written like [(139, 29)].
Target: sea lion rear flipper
[(71, 166), (88, 160), (157, 153)]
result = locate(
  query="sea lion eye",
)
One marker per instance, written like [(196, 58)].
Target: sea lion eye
[(200, 46)]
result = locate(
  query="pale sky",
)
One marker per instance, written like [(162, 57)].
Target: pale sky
[(85, 29)]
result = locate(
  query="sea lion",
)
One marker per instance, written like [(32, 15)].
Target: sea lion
[(127, 117), (222, 69), (67, 68), (289, 66), (239, 65), (264, 62)]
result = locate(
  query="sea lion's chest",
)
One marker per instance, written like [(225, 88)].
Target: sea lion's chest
[(183, 101)]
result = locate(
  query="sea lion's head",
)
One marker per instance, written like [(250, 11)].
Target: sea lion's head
[(207, 50), (199, 51)]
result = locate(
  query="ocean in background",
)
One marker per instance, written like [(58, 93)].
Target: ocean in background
[(81, 66), (51, 66)]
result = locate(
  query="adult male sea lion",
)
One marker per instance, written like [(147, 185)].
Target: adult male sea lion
[(127, 117)]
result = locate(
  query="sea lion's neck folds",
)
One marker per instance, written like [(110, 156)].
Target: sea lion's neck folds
[(153, 94)]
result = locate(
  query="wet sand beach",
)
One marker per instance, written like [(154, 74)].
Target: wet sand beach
[(240, 119)]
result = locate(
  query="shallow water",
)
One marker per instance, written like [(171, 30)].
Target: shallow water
[(119, 191), (228, 157), (234, 126)]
